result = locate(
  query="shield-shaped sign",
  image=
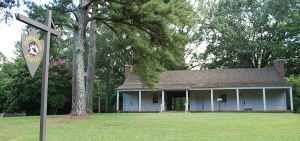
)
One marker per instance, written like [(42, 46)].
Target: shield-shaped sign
[(33, 50)]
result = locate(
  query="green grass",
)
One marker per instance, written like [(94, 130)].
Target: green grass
[(158, 127)]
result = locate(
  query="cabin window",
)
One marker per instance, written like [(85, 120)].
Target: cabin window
[(155, 99)]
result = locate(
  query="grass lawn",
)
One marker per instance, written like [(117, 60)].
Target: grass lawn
[(158, 127)]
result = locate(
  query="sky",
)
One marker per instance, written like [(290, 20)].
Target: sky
[(10, 33)]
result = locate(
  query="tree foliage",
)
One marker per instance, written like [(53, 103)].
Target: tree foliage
[(251, 33), (21, 93), (153, 29)]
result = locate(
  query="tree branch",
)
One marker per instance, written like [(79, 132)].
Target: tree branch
[(87, 5), (118, 2), (98, 19), (110, 27)]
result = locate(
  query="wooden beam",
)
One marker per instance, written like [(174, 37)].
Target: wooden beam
[(140, 101), (186, 100), (37, 24), (212, 100), (237, 99), (264, 99), (291, 99), (207, 89), (243, 88), (118, 98), (43, 123), (162, 106)]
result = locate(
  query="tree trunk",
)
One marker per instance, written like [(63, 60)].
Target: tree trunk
[(78, 95), (91, 68), (260, 58)]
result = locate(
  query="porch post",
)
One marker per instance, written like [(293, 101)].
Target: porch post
[(140, 100), (117, 106), (264, 99), (291, 99), (212, 100), (186, 100), (237, 99), (162, 106)]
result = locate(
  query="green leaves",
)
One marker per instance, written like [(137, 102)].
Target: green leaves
[(249, 33), (21, 93), (154, 30)]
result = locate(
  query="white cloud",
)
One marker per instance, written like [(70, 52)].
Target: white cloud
[(10, 33)]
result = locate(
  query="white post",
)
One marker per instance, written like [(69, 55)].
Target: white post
[(212, 100), (117, 106), (186, 100), (162, 106), (140, 100), (291, 99), (264, 99), (237, 99)]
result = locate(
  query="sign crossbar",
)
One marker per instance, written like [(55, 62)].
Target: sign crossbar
[(37, 25)]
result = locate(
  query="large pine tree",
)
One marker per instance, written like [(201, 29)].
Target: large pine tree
[(155, 29)]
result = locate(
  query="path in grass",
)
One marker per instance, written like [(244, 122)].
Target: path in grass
[(158, 127)]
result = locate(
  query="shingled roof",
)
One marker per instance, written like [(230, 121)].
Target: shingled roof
[(217, 78)]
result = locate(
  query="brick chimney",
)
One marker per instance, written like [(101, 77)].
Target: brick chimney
[(279, 66), (128, 70)]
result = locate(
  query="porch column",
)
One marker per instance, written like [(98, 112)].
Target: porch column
[(140, 100), (117, 106), (212, 100), (186, 100), (291, 99), (237, 99), (162, 106), (264, 99)]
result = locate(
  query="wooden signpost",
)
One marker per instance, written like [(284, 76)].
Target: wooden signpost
[(32, 52)]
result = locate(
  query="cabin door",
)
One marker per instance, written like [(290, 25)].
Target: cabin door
[(178, 103), (175, 100)]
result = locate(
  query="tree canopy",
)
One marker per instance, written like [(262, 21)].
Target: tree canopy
[(250, 34)]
